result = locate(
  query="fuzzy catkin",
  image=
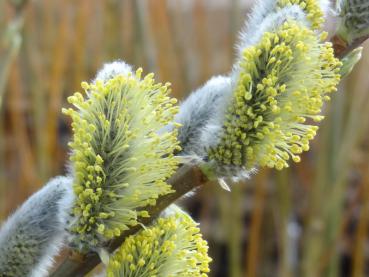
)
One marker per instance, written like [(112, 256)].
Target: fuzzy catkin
[(201, 110), (119, 158), (354, 19), (281, 84), (171, 246), (33, 235)]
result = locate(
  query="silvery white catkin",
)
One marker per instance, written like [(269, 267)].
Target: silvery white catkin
[(34, 234), (200, 116), (259, 12), (353, 19)]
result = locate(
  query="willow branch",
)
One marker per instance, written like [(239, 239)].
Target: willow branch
[(186, 179)]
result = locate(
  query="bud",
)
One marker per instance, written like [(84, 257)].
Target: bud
[(353, 19), (198, 113), (350, 60), (34, 234)]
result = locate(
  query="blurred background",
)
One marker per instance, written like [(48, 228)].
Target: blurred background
[(309, 220)]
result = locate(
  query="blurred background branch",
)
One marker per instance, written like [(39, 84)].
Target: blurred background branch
[(10, 40)]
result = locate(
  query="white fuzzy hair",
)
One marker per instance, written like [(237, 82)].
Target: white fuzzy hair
[(264, 15), (34, 234), (202, 109), (273, 20), (110, 70)]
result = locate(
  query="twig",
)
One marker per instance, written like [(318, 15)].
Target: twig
[(342, 48)]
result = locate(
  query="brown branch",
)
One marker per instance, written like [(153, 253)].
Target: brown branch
[(342, 47), (186, 179)]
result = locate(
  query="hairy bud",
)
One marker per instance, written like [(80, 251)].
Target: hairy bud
[(353, 19), (33, 235)]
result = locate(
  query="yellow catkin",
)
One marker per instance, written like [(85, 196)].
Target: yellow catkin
[(281, 87), (120, 160), (172, 246)]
